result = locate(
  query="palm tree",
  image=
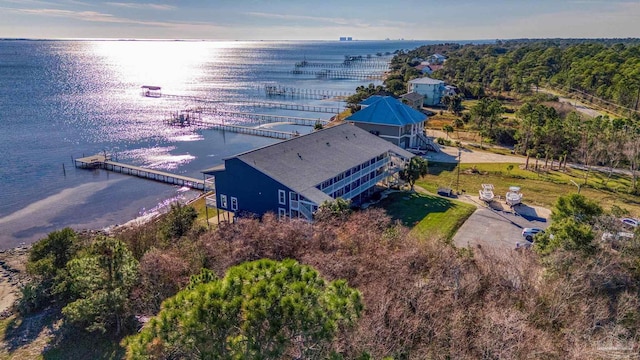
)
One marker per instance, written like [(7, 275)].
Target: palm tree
[(447, 129)]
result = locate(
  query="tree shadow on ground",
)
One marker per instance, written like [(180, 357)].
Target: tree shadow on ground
[(436, 168), (72, 342), (414, 207), (21, 331), (60, 341)]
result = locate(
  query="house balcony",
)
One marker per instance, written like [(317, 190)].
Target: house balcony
[(210, 184), (211, 201)]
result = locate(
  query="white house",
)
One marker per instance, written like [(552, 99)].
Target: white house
[(433, 90), (436, 59)]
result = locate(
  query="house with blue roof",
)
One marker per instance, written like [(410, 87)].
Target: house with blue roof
[(392, 120)]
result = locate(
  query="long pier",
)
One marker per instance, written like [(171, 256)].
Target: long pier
[(259, 104), (378, 65), (290, 106), (105, 163), (340, 74), (194, 116), (268, 118), (256, 131), (278, 90)]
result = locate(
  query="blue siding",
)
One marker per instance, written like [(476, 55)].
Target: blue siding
[(256, 192)]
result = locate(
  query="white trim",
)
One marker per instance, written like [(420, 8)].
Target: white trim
[(282, 197), (282, 213), (234, 203), (223, 201)]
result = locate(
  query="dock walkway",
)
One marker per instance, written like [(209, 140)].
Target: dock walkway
[(104, 162), (257, 131), (268, 118)]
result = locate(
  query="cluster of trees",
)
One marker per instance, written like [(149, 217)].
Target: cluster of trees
[(606, 70), (90, 279), (260, 310), (353, 285), (543, 132), (363, 92), (595, 69), (93, 279)]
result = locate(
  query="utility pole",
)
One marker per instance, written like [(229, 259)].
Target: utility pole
[(458, 178), (577, 185)]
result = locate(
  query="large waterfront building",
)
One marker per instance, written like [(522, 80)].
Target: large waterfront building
[(292, 178), (392, 120)]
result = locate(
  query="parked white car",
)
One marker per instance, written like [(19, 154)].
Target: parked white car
[(529, 233), (622, 235)]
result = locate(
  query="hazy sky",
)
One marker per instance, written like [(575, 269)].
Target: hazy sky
[(319, 19)]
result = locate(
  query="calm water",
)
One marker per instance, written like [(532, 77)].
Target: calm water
[(65, 99)]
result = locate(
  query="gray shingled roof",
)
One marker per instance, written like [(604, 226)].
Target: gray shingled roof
[(412, 96), (302, 163), (426, 80)]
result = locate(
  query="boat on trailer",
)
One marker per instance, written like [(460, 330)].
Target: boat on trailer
[(514, 196), (486, 194)]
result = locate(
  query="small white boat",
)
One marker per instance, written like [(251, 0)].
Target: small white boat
[(486, 194), (514, 196)]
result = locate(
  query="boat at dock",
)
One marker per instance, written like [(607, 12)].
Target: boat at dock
[(514, 196), (486, 194)]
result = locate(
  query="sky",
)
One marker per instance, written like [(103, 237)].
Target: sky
[(319, 19)]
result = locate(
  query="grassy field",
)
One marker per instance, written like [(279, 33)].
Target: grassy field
[(427, 215), (539, 188), (200, 207)]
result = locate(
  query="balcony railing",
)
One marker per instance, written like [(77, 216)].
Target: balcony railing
[(211, 201), (210, 184)]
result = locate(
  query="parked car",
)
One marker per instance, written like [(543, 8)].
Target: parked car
[(529, 233), (622, 235), (630, 222)]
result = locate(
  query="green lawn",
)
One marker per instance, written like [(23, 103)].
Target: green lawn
[(540, 189), (427, 215)]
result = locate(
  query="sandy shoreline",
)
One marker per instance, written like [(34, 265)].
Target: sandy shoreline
[(13, 274)]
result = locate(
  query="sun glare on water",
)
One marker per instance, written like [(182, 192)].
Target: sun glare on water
[(174, 65)]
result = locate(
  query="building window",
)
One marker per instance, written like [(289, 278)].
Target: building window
[(223, 201), (282, 197), (293, 196), (234, 203), (282, 213)]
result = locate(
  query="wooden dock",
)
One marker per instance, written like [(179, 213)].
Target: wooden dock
[(341, 74), (290, 106), (104, 162), (268, 118), (256, 131), (318, 94), (264, 104), (373, 65)]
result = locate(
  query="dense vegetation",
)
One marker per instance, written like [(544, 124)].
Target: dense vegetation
[(504, 78), (412, 299), (357, 285), (605, 70)]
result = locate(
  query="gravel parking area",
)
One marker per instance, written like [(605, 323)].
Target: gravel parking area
[(498, 227)]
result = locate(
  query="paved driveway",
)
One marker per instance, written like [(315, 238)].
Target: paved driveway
[(498, 227)]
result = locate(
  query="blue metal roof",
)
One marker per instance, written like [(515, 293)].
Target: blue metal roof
[(370, 100), (388, 111)]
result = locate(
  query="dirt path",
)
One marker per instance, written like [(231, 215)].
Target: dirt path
[(579, 106), (450, 154)]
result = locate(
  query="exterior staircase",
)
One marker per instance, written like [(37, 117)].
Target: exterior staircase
[(428, 143)]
